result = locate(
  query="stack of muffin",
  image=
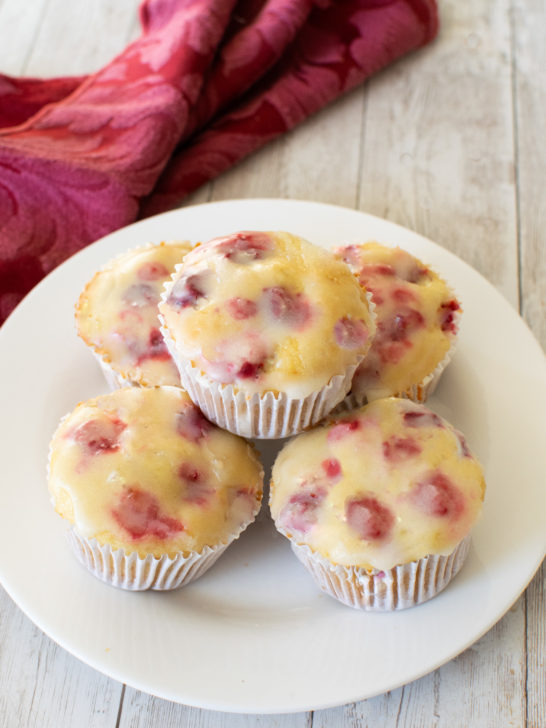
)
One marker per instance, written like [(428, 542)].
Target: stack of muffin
[(265, 335)]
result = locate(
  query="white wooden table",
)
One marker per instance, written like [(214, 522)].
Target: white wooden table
[(448, 142)]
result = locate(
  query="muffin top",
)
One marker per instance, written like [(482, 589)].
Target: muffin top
[(267, 311), (417, 317), (377, 487), (141, 469), (117, 313)]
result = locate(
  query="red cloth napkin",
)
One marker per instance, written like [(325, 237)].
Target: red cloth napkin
[(205, 84)]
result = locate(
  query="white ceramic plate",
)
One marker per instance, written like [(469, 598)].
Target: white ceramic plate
[(254, 634)]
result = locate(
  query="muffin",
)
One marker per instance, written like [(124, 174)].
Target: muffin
[(379, 503), (266, 330), (417, 321), (153, 491), (116, 316)]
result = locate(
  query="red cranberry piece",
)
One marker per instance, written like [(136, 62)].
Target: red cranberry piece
[(156, 347), (245, 247), (291, 309), (404, 323), (403, 295), (437, 495), (156, 343), (332, 468), (426, 418), (100, 435), (350, 333), (138, 513), (300, 513), (447, 316), (397, 449), (341, 429), (390, 352), (377, 269), (375, 292), (152, 271), (190, 473), (371, 520), (250, 370), (141, 294), (192, 424), (414, 273), (187, 291), (241, 308), (196, 489)]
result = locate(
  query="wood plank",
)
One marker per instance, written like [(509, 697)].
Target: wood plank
[(536, 650), (144, 711), (528, 19), (457, 695), (438, 141), (77, 32), (530, 101), (47, 687), (20, 24)]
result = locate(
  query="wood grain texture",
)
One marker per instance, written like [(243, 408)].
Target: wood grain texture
[(448, 142), (143, 711), (45, 687), (529, 21), (536, 650), (481, 687), (89, 33), (438, 142), (19, 26)]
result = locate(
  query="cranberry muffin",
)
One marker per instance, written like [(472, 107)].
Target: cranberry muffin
[(116, 316), (153, 491), (267, 330), (417, 322), (379, 503)]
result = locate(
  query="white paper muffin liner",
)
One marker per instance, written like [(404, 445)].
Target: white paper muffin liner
[(398, 588), (114, 379), (264, 416), (137, 573)]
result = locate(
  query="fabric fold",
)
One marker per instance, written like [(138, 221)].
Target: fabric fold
[(206, 83)]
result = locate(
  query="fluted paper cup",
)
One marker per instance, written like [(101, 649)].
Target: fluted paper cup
[(264, 416), (137, 573), (401, 587)]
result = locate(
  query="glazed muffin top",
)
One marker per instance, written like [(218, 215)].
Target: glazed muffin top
[(267, 311), (377, 487), (116, 314), (417, 317), (141, 469)]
